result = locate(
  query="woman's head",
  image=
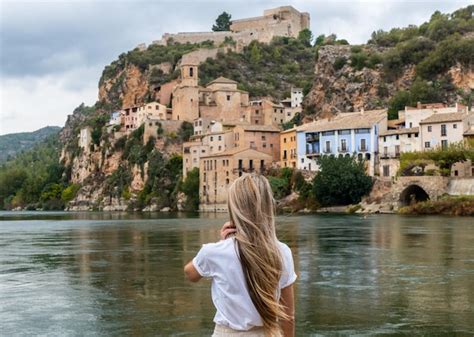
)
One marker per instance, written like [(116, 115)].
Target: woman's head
[(251, 205), (252, 212)]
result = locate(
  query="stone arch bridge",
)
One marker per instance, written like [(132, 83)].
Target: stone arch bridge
[(405, 190)]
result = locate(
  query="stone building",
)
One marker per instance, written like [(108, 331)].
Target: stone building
[(288, 148), (263, 138), (130, 118), (153, 110), (216, 140), (85, 138), (219, 100), (218, 171), (280, 21), (442, 129), (266, 112)]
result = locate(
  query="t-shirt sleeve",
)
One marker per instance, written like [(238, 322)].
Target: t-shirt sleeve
[(288, 276), (201, 262)]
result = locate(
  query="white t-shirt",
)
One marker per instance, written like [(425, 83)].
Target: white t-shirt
[(220, 261)]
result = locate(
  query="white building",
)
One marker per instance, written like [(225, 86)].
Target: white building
[(296, 97), (442, 129), (153, 110), (394, 142)]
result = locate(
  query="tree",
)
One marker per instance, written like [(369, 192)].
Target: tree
[(305, 36), (341, 181), (255, 55), (190, 188), (222, 23)]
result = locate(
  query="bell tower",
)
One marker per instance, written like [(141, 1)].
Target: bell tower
[(189, 75)]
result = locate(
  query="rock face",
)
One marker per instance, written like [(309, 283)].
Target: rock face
[(129, 88), (339, 87)]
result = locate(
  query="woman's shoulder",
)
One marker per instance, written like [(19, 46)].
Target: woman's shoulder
[(221, 245), (284, 247)]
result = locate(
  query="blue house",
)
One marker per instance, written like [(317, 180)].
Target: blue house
[(346, 134)]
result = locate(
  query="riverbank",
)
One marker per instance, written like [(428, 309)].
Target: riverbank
[(448, 205)]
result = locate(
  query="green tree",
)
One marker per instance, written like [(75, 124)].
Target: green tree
[(340, 181), (190, 188), (222, 22), (305, 37), (255, 55)]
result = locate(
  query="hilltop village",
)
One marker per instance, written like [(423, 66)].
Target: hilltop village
[(371, 128), (233, 133)]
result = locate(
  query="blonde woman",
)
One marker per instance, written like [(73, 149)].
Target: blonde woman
[(252, 272)]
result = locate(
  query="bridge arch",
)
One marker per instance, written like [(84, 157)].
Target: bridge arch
[(412, 194)]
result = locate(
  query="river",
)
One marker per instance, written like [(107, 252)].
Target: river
[(109, 274)]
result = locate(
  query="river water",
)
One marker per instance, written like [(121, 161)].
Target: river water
[(99, 274)]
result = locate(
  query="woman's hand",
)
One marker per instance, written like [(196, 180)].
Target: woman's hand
[(227, 229)]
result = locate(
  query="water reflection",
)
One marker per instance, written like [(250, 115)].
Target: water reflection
[(121, 274)]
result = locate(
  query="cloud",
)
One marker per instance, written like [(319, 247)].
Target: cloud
[(52, 53)]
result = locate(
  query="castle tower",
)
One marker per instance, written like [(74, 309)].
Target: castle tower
[(189, 75)]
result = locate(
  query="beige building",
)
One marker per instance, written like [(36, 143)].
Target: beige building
[(266, 112), (218, 171), (263, 138), (130, 118), (153, 110), (442, 129), (220, 100), (288, 148), (412, 116)]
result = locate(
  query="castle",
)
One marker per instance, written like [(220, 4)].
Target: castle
[(280, 21)]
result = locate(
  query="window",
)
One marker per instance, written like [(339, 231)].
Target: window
[(444, 144), (443, 129), (219, 138), (256, 112), (430, 128), (397, 150), (397, 137), (455, 126), (411, 124), (343, 145), (409, 135), (191, 72), (328, 146), (262, 164), (302, 160), (363, 146), (386, 170), (427, 145), (385, 150), (212, 138), (284, 140), (263, 137), (240, 164), (228, 97), (250, 164), (384, 138)]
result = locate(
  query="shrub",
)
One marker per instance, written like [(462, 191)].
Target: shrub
[(340, 181), (70, 192), (339, 63)]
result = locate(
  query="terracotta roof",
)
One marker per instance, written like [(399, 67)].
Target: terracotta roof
[(356, 120), (289, 130), (233, 151), (400, 131), (444, 117), (222, 80)]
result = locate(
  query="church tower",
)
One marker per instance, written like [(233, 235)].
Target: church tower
[(189, 75)]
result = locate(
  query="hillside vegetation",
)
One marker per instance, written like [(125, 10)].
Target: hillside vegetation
[(14, 143)]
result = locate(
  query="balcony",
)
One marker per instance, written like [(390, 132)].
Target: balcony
[(363, 149), (343, 149), (327, 151), (311, 138), (311, 153)]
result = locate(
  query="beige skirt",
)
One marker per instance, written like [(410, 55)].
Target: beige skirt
[(222, 331)]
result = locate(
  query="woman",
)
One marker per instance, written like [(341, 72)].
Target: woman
[(252, 272)]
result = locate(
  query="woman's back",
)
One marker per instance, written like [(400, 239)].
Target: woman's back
[(220, 261)]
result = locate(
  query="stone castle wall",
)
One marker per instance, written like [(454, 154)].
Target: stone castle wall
[(280, 21)]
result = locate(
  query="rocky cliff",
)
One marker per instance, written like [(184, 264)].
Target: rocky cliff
[(430, 62)]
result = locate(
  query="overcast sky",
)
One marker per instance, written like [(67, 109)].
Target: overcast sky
[(52, 52)]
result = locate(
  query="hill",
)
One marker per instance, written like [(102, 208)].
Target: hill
[(14, 143), (432, 62)]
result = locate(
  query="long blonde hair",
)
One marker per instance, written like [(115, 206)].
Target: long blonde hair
[(252, 212)]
